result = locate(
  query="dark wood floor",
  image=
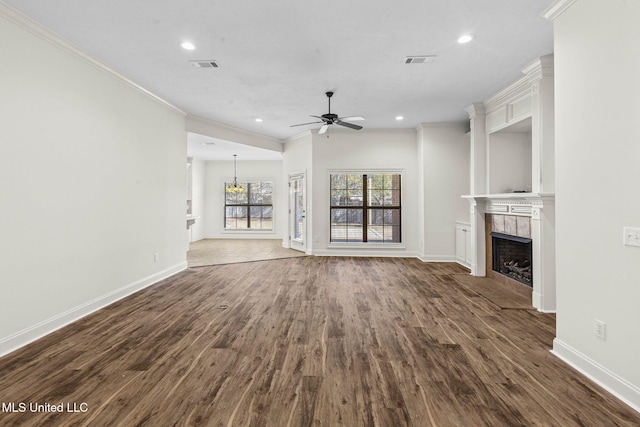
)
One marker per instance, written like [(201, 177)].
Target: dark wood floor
[(312, 341)]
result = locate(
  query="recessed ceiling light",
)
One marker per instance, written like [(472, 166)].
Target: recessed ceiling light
[(208, 143), (399, 118), (187, 45), (259, 120), (465, 38)]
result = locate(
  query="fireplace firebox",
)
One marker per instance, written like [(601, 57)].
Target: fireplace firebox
[(512, 257)]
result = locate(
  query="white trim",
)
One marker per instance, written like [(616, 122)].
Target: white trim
[(439, 258), (620, 388), (518, 90), (39, 330), (556, 9), (246, 234), (364, 253), (384, 254), (48, 36), (374, 246)]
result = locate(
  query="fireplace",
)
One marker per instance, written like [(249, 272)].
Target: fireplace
[(512, 257)]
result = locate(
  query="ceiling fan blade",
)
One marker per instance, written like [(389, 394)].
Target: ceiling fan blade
[(351, 119), (304, 124), (323, 129), (349, 125)]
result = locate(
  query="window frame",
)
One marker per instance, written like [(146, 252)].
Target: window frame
[(248, 205), (365, 208)]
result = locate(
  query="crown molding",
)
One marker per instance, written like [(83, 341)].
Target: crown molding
[(541, 67), (33, 27), (301, 135), (519, 89), (476, 109), (556, 9)]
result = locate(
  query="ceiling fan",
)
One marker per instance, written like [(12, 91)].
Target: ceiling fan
[(333, 119)]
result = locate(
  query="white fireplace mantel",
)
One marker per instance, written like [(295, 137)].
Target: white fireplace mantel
[(516, 125)]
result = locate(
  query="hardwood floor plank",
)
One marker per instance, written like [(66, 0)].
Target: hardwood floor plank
[(308, 341)]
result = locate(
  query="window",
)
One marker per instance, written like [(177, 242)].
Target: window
[(251, 209), (365, 208)]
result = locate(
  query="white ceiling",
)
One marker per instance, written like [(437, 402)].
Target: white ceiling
[(278, 58)]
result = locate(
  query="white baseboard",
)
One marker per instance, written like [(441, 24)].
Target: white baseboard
[(620, 388), (247, 235), (378, 252), (437, 258), (363, 253), (39, 330)]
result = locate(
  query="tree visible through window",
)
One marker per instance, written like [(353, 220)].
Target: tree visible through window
[(251, 209), (365, 208)]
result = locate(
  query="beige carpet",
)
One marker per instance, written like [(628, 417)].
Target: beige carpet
[(230, 251), (493, 291)]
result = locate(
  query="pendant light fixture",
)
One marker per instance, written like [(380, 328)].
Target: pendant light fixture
[(234, 187)]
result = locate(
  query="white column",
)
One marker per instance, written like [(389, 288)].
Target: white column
[(540, 74), (478, 166), (544, 256), (478, 250), (478, 176)]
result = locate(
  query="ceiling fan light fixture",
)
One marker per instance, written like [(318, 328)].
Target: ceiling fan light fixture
[(332, 119)]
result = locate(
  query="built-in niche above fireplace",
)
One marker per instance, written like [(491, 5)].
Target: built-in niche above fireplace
[(512, 256)]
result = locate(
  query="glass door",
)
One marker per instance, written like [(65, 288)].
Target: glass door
[(297, 213)]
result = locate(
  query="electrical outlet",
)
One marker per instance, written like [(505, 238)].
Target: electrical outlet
[(601, 329), (631, 236), (156, 257)]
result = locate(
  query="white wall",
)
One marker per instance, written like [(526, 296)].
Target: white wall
[(296, 159), (217, 172), (509, 162), (365, 149), (444, 160), (92, 184), (597, 64)]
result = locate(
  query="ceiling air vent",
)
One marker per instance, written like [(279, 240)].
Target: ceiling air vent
[(204, 64), (425, 59)]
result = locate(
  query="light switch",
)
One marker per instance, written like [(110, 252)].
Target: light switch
[(631, 236)]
